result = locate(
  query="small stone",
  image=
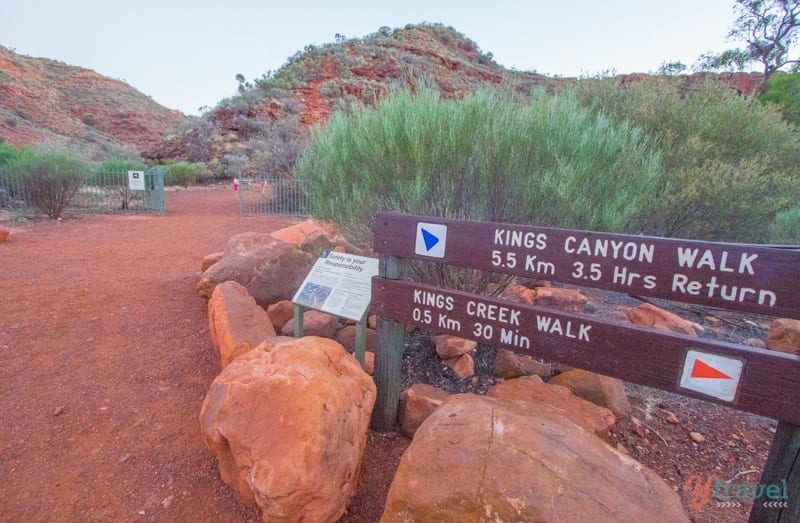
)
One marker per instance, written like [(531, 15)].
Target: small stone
[(167, 502), (755, 342), (697, 437), (448, 347), (670, 417), (59, 410)]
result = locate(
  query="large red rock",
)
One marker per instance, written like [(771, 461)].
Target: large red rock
[(417, 403), (299, 233), (648, 315), (288, 424), (784, 336), (235, 322), (534, 391), (601, 390), (484, 459), (4, 232), (270, 269)]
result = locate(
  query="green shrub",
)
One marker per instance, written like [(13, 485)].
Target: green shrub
[(786, 227), (184, 173), (729, 162), (50, 179), (488, 157), (784, 91)]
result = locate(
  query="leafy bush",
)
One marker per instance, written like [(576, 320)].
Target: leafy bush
[(487, 157), (276, 153), (786, 226), (784, 91), (184, 173), (50, 179), (729, 162)]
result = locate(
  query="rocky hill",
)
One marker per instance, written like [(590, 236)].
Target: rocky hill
[(45, 101), (263, 126), (261, 130)]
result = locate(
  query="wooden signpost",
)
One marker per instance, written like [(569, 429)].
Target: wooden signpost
[(747, 278)]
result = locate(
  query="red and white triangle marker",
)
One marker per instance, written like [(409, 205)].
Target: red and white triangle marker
[(701, 369), (711, 374)]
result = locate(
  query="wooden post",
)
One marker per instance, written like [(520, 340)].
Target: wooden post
[(388, 356), (361, 339), (783, 465), (298, 321)]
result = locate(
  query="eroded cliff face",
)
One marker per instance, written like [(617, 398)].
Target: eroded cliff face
[(43, 100)]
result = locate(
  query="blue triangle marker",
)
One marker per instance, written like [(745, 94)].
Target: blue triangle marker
[(429, 239)]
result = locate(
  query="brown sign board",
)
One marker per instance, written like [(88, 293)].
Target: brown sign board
[(765, 381), (750, 278)]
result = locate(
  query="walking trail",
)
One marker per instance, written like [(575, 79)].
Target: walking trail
[(104, 363)]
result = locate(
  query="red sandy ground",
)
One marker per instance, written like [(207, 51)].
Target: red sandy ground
[(105, 360)]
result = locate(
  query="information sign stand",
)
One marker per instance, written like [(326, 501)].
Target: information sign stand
[(339, 284)]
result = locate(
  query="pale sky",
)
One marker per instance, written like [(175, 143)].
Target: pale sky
[(187, 53)]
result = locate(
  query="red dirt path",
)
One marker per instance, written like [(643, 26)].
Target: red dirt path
[(104, 363)]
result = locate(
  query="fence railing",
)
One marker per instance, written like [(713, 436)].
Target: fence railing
[(102, 192), (260, 196)]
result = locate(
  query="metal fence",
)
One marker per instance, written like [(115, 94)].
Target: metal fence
[(260, 196), (102, 192)]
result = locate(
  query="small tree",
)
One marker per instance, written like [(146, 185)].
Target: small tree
[(50, 180), (769, 28)]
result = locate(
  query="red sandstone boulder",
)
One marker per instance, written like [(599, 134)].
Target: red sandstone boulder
[(298, 233), (235, 322), (315, 323), (509, 365), (484, 459), (600, 390), (347, 337), (567, 300), (279, 313), (210, 260), (288, 426), (533, 390), (784, 336), (463, 366), (648, 315), (417, 403), (271, 270), (518, 293), (452, 347)]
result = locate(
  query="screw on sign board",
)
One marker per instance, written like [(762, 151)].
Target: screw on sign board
[(747, 278)]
